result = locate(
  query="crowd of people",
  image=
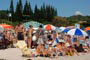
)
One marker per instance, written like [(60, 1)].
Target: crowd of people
[(45, 43)]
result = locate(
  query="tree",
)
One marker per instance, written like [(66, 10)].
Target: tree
[(12, 10), (21, 6), (19, 10), (50, 13), (43, 12), (59, 21), (26, 10), (36, 13), (28, 13), (3, 14)]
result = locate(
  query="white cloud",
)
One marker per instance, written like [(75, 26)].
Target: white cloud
[(78, 13)]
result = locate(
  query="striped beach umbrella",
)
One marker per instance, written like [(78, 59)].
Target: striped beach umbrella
[(62, 29), (65, 30), (87, 28), (76, 32), (6, 26), (49, 27)]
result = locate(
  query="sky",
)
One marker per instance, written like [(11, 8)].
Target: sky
[(65, 8)]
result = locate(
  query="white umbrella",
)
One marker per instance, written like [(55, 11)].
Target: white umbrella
[(49, 27), (76, 32), (62, 29)]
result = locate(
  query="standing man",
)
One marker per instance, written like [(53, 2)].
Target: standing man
[(20, 31)]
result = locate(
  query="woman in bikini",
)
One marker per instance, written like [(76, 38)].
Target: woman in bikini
[(30, 32)]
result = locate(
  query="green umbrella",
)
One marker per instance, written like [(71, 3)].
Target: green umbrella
[(1, 29), (33, 23)]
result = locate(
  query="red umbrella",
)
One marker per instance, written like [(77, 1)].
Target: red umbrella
[(6, 26), (87, 28), (49, 27)]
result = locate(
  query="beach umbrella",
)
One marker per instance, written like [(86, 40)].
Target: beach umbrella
[(49, 27), (1, 29), (65, 30), (33, 23), (6, 26), (87, 28), (57, 29), (62, 29), (70, 27), (76, 32)]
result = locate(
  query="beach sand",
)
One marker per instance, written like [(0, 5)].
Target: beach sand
[(16, 54)]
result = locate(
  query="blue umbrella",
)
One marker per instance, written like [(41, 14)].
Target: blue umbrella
[(57, 29), (66, 30), (60, 29), (76, 32)]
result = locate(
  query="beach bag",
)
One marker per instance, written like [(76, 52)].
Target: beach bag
[(34, 38)]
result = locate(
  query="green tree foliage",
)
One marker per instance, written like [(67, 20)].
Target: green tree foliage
[(12, 10), (21, 6), (19, 10), (78, 18), (30, 11), (50, 13), (45, 13), (3, 14), (59, 21), (36, 13), (27, 12), (26, 9)]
